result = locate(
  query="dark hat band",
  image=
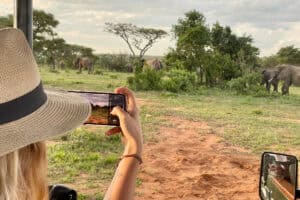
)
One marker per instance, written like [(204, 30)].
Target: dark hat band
[(22, 106)]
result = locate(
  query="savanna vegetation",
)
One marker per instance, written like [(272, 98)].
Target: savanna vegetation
[(211, 75), (86, 158)]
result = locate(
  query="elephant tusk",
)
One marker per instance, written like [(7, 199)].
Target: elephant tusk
[(270, 80)]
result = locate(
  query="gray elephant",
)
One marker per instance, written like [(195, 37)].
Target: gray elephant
[(61, 64), (84, 63), (153, 64), (289, 74), (269, 78)]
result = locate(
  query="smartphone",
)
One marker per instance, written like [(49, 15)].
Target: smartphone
[(102, 104)]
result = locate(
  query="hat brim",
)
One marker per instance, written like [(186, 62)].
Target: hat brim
[(61, 113)]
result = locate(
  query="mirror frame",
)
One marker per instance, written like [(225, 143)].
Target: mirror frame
[(261, 171)]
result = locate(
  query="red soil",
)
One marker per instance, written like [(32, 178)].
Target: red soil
[(190, 162)]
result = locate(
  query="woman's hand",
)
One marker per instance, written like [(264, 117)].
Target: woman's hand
[(130, 126)]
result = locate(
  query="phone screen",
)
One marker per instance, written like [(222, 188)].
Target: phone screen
[(102, 104)]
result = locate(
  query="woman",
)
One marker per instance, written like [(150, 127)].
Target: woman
[(29, 115)]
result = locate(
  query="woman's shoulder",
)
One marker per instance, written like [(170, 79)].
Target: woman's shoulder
[(60, 192)]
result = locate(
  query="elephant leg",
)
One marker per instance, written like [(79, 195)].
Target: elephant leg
[(285, 88), (80, 68), (275, 87), (92, 69), (268, 86)]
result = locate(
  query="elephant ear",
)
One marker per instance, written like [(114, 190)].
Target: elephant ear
[(277, 72), (280, 68)]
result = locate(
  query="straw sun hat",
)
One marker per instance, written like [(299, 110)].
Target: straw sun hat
[(28, 113)]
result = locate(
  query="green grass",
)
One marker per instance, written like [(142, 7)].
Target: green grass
[(256, 123), (70, 80), (85, 154)]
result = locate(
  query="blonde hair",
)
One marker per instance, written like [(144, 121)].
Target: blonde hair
[(23, 174)]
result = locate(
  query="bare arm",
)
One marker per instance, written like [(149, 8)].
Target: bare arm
[(123, 184)]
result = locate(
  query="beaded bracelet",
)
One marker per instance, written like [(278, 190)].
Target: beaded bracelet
[(136, 156)]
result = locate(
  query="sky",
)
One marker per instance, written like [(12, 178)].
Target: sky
[(272, 23)]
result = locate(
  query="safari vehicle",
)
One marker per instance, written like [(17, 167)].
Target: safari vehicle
[(278, 177), (23, 17)]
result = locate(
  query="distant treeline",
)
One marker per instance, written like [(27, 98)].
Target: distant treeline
[(285, 55), (49, 47)]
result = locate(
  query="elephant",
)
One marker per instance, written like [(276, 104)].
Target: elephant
[(153, 64), (61, 64), (129, 67), (269, 78), (289, 74), (84, 62)]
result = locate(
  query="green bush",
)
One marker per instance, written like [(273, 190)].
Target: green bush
[(146, 80), (248, 85), (177, 80)]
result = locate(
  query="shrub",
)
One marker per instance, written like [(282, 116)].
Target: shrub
[(248, 85), (146, 80), (177, 80)]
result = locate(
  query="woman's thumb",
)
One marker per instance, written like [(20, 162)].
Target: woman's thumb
[(119, 112)]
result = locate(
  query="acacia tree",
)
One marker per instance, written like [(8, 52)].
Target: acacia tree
[(138, 39)]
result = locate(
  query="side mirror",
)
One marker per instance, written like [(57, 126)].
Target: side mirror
[(278, 177)]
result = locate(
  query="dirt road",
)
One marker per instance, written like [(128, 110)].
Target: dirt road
[(190, 162)]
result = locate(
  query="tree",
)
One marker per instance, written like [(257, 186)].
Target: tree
[(43, 25), (240, 49), (43, 32), (43, 35), (289, 55), (54, 50), (285, 55), (193, 39), (247, 56), (137, 38), (48, 47), (6, 21), (269, 61), (216, 54)]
